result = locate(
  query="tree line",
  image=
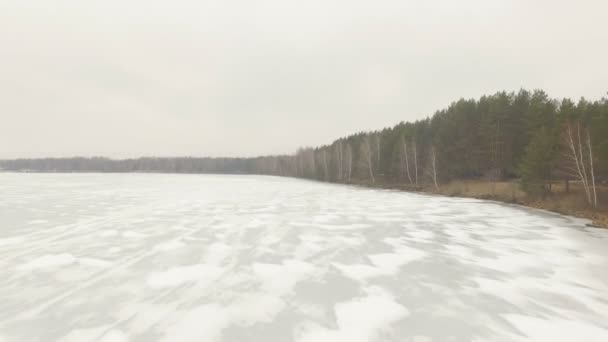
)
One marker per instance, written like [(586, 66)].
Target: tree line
[(144, 164), (524, 135)]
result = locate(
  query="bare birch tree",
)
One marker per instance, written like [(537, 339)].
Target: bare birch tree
[(433, 167), (298, 163), (367, 157), (406, 158), (577, 147), (339, 161), (415, 148), (590, 149), (324, 163), (348, 155), (376, 149), (309, 162)]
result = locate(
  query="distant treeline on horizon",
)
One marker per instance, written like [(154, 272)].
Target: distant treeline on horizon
[(525, 135), (142, 164)]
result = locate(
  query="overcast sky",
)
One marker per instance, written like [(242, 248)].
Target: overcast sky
[(244, 77)]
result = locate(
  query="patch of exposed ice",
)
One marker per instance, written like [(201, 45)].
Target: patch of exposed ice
[(311, 244), (509, 262), (352, 240), (148, 315), (270, 240), (390, 262), (52, 261), (310, 310), (337, 226), (383, 264), (94, 262), (47, 261), (133, 235), (79, 335), (204, 323), (256, 308), (543, 330), (169, 246), (359, 320), (419, 234), (114, 336), (37, 221), (255, 223), (107, 232), (359, 272), (114, 249), (217, 252), (11, 241), (386, 218), (461, 252), (183, 274), (520, 290), (325, 217), (280, 278), (458, 234), (311, 238)]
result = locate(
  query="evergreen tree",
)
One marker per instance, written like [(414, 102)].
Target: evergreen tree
[(537, 164)]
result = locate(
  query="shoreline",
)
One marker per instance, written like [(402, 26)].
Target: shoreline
[(598, 218)]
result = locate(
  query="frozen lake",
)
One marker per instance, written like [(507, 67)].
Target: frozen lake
[(146, 257)]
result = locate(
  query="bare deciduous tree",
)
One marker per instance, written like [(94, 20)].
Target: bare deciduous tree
[(324, 163), (414, 147), (339, 161), (367, 157), (376, 149), (590, 149), (433, 167), (576, 148), (348, 155), (310, 166), (405, 159), (299, 163)]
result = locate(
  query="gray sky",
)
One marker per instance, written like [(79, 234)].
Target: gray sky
[(126, 78)]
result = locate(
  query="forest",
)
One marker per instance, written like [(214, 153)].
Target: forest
[(524, 137)]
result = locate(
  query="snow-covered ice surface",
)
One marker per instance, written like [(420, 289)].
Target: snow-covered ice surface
[(145, 257)]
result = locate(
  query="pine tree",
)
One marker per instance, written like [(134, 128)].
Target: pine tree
[(537, 165)]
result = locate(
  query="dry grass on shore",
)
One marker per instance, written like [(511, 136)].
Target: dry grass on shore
[(567, 202), (564, 201)]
